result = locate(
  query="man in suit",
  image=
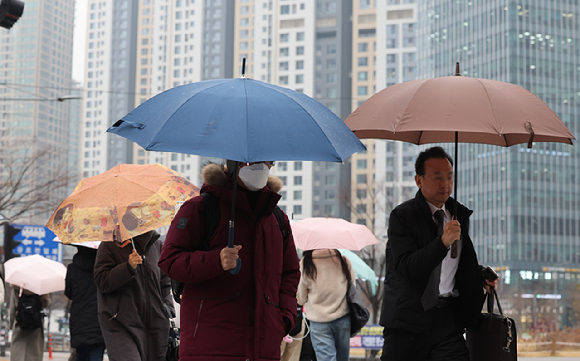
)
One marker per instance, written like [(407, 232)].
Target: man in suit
[(433, 283)]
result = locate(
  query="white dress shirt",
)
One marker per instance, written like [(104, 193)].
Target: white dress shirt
[(448, 265)]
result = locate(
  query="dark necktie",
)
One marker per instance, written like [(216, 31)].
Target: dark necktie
[(429, 298)]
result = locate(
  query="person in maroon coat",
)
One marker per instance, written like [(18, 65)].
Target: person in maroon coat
[(225, 316)]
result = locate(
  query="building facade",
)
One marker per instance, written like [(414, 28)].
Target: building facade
[(526, 201), (110, 83), (35, 70)]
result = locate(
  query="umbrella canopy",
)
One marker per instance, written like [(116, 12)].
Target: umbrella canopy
[(458, 109), (239, 119), (331, 233), (127, 200), (361, 269), (478, 110), (36, 274)]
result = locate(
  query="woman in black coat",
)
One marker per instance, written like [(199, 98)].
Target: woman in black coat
[(86, 336)]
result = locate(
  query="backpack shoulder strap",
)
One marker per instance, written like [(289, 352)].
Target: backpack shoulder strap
[(280, 219), (212, 217)]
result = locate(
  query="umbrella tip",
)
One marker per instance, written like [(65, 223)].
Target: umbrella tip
[(244, 67), (457, 72)]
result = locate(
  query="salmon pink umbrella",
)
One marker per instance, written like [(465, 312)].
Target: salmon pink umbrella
[(458, 109)]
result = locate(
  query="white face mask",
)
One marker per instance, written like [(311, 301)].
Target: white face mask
[(254, 176)]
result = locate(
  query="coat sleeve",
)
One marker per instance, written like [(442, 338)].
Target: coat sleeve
[(290, 278), (110, 276), (68, 283), (181, 256), (165, 283), (411, 261)]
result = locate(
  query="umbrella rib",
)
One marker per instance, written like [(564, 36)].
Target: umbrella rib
[(152, 142), (490, 105), (306, 111)]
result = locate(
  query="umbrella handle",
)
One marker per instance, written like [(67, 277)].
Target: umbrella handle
[(236, 270)]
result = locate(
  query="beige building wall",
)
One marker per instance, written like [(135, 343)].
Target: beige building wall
[(363, 86), (143, 65), (244, 41)]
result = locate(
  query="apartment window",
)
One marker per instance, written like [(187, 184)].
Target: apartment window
[(283, 179), (299, 79), (362, 90), (297, 165), (391, 58), (299, 64), (284, 52), (297, 209), (331, 63), (282, 166), (391, 43), (331, 78), (361, 208), (408, 42), (300, 35), (392, 29), (331, 49), (284, 38), (330, 180), (283, 80), (365, 4), (285, 9), (244, 10), (283, 65), (297, 180), (331, 93), (297, 195), (363, 61), (299, 50), (408, 57), (363, 47), (361, 164), (244, 22), (362, 76), (391, 72), (361, 193), (361, 179)]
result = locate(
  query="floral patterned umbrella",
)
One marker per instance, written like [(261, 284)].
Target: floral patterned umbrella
[(121, 203)]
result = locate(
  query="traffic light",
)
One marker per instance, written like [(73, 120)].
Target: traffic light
[(10, 12), (9, 242)]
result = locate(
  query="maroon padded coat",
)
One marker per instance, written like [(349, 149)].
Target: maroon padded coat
[(224, 316)]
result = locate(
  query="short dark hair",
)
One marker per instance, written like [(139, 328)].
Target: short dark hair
[(434, 152)]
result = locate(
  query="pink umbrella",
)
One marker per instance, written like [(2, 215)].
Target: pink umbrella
[(36, 274), (331, 233)]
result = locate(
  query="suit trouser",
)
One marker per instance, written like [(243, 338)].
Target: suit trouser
[(444, 342)]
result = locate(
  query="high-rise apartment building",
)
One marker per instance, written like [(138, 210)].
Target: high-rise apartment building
[(110, 82), (35, 70), (526, 201), (384, 54)]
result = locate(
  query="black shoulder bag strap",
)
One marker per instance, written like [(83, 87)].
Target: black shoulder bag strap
[(211, 220)]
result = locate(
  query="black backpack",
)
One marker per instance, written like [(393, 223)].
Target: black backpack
[(29, 314), (212, 217)]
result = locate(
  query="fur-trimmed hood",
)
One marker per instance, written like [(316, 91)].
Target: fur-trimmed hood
[(214, 174)]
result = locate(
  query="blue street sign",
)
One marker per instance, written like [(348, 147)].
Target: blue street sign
[(37, 240)]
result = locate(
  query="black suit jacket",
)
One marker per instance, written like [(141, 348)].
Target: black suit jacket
[(413, 252)]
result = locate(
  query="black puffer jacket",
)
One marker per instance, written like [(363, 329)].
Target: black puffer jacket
[(82, 291)]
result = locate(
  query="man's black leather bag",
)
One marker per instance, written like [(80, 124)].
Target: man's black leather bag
[(493, 337)]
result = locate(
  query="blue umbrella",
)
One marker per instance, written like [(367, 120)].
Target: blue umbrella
[(243, 120), (239, 119)]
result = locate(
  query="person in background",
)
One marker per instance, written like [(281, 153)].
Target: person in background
[(27, 344), (292, 343), (80, 289), (322, 290), (133, 297)]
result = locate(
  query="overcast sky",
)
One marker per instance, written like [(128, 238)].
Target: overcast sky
[(80, 30)]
